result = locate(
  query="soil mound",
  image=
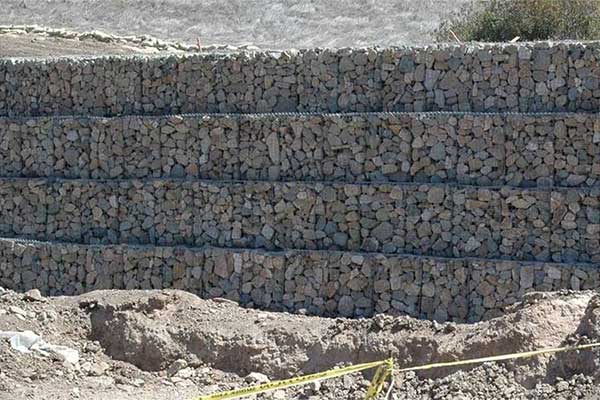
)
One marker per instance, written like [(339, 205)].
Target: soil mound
[(144, 343)]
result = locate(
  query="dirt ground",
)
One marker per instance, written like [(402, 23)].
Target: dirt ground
[(273, 24), (34, 45), (173, 345)]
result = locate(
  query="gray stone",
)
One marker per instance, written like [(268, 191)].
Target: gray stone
[(436, 195), (527, 277), (221, 267), (267, 232), (438, 152), (256, 378), (33, 295), (406, 65), (340, 239), (383, 231), (346, 65), (346, 306), (428, 289), (472, 245), (273, 146)]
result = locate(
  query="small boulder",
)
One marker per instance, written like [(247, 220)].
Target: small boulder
[(256, 378), (177, 366), (33, 295)]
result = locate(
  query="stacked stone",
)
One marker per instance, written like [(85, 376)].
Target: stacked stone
[(474, 77), (388, 207), (540, 224), (319, 283), (482, 149), (575, 224), (101, 86)]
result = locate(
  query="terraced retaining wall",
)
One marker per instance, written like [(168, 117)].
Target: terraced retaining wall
[(433, 219), (497, 77), (320, 283), (484, 149), (125, 194)]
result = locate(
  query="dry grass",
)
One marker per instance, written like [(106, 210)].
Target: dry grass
[(530, 20), (265, 23)]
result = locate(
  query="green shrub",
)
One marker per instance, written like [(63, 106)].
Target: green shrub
[(530, 20)]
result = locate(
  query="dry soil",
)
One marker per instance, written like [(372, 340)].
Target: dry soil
[(273, 24), (173, 345)]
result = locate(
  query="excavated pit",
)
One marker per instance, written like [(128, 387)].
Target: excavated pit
[(153, 329), (171, 344)]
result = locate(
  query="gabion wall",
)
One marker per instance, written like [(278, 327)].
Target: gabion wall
[(541, 224), (496, 77), (133, 193), (482, 149), (320, 283)]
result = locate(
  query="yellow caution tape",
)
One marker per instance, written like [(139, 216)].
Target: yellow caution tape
[(381, 375), (301, 380), (384, 371), (502, 357)]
